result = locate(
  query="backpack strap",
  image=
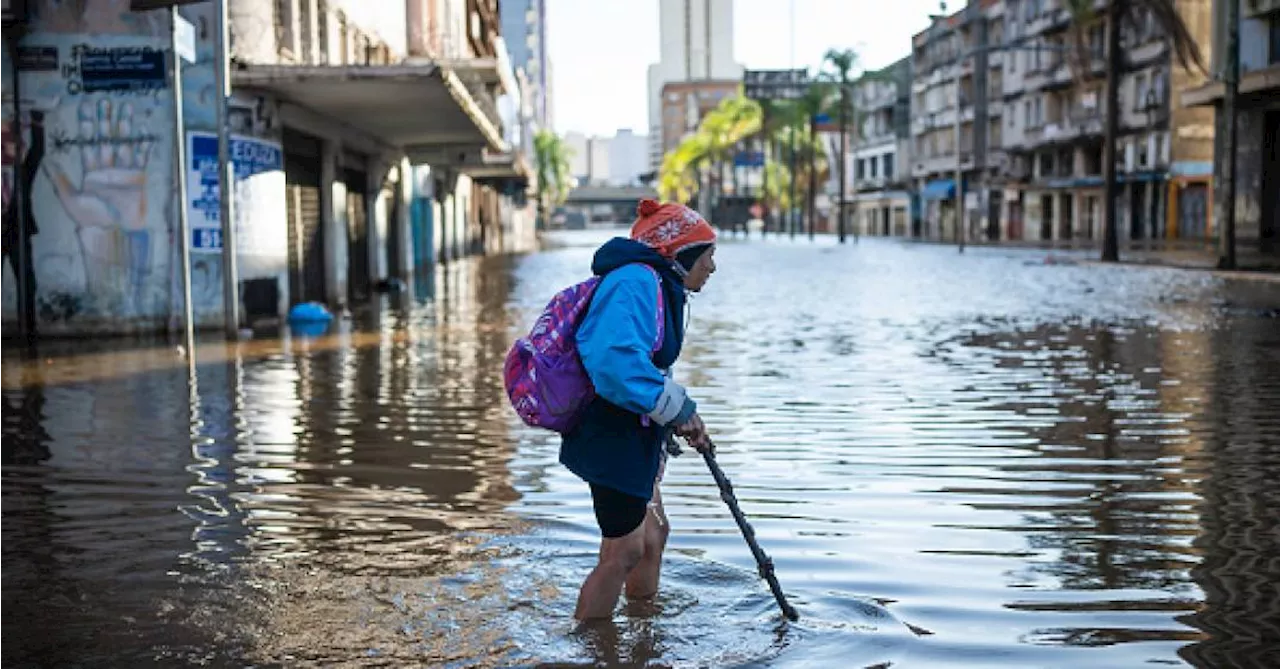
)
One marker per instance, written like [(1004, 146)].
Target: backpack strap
[(661, 313)]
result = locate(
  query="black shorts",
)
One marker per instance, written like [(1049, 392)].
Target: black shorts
[(617, 513)]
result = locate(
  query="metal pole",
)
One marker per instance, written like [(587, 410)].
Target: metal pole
[(226, 177), (1231, 77), (856, 140), (180, 173), (765, 142), (791, 210), (18, 202), (960, 223), (843, 153)]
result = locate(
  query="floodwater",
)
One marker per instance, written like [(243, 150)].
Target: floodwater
[(977, 460)]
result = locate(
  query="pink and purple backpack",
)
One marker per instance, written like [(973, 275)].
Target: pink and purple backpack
[(543, 373)]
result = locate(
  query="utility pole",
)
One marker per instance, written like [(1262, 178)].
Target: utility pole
[(843, 152), (792, 210), (959, 162), (765, 141), (226, 175), (1111, 239), (19, 202), (1230, 98)]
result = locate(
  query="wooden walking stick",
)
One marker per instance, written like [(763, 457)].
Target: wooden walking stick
[(763, 562)]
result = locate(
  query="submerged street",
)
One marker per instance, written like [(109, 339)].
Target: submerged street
[(996, 458)]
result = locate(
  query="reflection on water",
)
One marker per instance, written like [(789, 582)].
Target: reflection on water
[(968, 460)]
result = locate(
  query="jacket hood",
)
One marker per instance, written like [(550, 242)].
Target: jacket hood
[(620, 251)]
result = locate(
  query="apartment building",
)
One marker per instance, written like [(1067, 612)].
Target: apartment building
[(1257, 168), (949, 110), (879, 163), (365, 139), (1051, 135)]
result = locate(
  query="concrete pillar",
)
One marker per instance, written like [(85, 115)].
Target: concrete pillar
[(1077, 213), (333, 210), (1065, 200), (403, 224), (376, 217), (1055, 221)]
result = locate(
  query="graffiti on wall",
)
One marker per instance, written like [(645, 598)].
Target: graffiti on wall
[(89, 122)]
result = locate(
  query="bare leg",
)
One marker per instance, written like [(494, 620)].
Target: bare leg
[(643, 580), (599, 594)]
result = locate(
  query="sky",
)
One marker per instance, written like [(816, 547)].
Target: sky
[(601, 49)]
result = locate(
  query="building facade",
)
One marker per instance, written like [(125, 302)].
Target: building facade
[(524, 30), (628, 157), (950, 119), (1027, 143), (1049, 185), (328, 142), (696, 40), (879, 164), (1257, 168), (684, 103)]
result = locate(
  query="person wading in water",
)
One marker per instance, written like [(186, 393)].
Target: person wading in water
[(618, 445)]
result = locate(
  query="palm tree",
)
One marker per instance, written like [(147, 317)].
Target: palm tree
[(816, 101), (1170, 21), (551, 156), (842, 63), (711, 146)]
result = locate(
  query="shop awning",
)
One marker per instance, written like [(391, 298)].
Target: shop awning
[(939, 189)]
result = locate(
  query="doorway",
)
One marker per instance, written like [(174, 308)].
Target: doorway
[(1046, 217), (303, 220), (1137, 207), (1068, 210), (1269, 230), (357, 234)]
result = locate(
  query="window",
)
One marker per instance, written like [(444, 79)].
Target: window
[(322, 30), (1097, 41), (304, 30), (888, 165), (286, 35), (1140, 91), (1026, 113), (862, 168), (1090, 216), (1012, 58), (1273, 54)]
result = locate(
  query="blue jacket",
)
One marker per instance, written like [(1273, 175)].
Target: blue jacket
[(618, 442)]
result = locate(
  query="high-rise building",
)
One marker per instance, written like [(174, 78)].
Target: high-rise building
[(524, 29), (696, 46), (628, 157)]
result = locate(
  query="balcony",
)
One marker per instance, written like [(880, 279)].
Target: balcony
[(438, 105), (1035, 80), (870, 183)]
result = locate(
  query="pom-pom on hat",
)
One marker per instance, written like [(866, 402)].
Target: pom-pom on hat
[(670, 228)]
